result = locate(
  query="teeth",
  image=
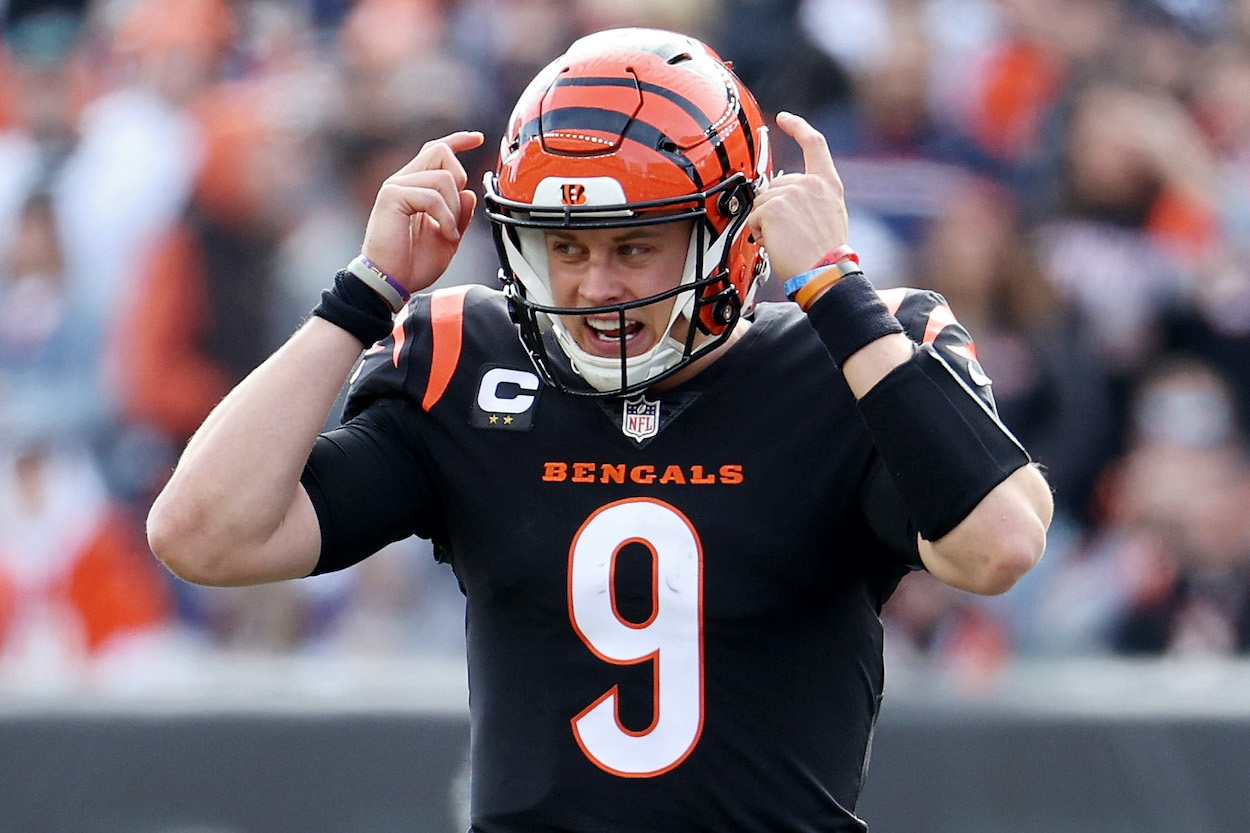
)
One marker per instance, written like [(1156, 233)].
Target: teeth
[(611, 328)]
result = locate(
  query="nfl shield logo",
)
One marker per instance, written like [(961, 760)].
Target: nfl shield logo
[(641, 418)]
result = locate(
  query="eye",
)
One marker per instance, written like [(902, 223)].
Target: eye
[(564, 248), (630, 250)]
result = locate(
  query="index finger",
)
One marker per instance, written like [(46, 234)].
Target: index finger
[(431, 151), (816, 157)]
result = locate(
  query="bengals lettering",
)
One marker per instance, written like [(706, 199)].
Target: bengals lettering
[(729, 474)]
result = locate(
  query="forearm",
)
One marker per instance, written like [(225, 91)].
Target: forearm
[(981, 509), (873, 362), (234, 511)]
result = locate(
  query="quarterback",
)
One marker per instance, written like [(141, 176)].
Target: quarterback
[(675, 513)]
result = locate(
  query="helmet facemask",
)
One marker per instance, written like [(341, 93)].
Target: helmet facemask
[(705, 305)]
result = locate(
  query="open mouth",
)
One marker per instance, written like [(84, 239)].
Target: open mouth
[(603, 336)]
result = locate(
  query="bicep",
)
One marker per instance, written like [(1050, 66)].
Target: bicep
[(289, 552), (999, 541), (293, 549), (367, 487)]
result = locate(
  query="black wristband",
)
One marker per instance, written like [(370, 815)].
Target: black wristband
[(851, 315), (944, 447), (353, 306)]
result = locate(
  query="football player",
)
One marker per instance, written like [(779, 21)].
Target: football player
[(675, 514)]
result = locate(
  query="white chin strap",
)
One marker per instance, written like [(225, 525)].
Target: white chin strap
[(603, 373)]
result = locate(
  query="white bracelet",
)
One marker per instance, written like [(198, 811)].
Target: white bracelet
[(391, 290)]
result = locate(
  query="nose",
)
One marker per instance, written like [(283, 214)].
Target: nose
[(601, 281)]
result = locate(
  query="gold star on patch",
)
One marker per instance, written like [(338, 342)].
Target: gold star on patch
[(493, 419), (507, 420)]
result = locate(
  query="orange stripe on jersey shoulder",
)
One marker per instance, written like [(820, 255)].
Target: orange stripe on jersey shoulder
[(397, 336), (968, 351), (893, 298), (939, 319), (447, 327)]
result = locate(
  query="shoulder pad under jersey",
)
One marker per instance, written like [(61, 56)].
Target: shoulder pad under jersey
[(431, 339)]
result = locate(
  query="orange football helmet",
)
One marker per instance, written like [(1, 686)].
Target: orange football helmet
[(632, 127)]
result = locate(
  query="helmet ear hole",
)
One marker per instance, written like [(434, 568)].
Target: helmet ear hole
[(734, 201), (719, 310)]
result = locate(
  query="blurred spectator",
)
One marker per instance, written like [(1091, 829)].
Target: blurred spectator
[(47, 387), (1035, 51), (1215, 321), (1172, 546), (76, 572), (396, 68), (73, 584), (1048, 383), (899, 160), (1132, 211), (1135, 198), (129, 172), (507, 42), (778, 57), (197, 322), (90, 175), (1181, 493)]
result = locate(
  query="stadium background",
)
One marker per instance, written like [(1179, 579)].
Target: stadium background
[(179, 178)]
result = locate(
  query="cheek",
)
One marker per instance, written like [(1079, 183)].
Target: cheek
[(663, 274), (658, 313), (563, 285)]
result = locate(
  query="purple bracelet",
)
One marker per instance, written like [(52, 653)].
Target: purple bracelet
[(391, 290)]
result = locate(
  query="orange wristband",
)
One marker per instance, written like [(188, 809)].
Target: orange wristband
[(815, 286), (808, 292)]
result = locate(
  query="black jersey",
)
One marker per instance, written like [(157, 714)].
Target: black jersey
[(672, 601)]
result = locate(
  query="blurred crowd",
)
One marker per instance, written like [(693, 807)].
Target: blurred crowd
[(180, 178)]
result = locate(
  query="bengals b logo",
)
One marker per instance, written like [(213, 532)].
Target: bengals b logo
[(572, 193)]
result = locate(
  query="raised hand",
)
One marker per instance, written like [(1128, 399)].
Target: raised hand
[(801, 217), (421, 213)]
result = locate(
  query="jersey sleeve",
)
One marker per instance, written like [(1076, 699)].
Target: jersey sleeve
[(371, 480), (928, 320), (369, 483)]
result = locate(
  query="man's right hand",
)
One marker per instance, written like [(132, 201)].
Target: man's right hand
[(421, 213)]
